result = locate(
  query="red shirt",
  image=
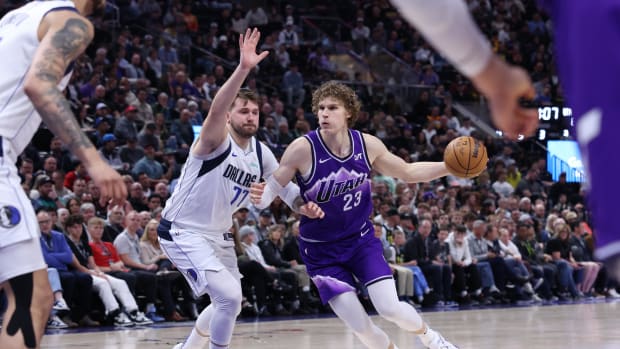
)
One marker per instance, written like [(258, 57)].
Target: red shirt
[(104, 253)]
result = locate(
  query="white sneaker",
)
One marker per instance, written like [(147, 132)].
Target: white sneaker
[(122, 320), (54, 322), (139, 318), (433, 340), (60, 305), (613, 293), (527, 287)]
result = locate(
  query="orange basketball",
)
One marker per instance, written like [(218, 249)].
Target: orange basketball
[(465, 157)]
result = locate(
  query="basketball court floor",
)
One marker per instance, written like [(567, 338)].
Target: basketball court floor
[(591, 325)]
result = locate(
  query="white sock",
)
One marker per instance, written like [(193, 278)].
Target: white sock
[(199, 337)]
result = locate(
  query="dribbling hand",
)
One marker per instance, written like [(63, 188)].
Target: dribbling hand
[(311, 210)]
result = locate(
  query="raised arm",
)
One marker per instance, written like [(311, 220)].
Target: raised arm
[(64, 35), (389, 164), (213, 131)]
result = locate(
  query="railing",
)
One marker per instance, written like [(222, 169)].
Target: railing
[(558, 166)]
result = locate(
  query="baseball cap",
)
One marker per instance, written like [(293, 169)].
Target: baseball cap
[(42, 179), (101, 106), (265, 213), (245, 230), (130, 109), (108, 137), (99, 120)]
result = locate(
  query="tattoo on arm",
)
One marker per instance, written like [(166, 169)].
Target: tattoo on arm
[(65, 45)]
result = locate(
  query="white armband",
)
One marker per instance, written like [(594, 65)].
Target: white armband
[(448, 26), (272, 189), (289, 194)]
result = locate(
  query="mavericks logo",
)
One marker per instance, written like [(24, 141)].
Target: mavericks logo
[(9, 216)]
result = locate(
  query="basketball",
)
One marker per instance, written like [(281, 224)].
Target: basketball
[(465, 157)]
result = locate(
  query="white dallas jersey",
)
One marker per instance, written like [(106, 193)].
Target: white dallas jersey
[(212, 188), (18, 43)]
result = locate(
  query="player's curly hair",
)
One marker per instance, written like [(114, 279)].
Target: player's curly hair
[(340, 92)]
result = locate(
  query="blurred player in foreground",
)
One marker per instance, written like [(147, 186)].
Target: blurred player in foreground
[(38, 42), (589, 71)]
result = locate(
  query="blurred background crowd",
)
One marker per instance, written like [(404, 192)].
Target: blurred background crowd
[(144, 87)]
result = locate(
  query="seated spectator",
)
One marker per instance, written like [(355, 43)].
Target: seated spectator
[(539, 263), (60, 307), (403, 276), (559, 249), (128, 246), (76, 285), (127, 125), (109, 152), (48, 198), (484, 260), (148, 164), (293, 86), (272, 249), (467, 282), (417, 251), (106, 286), (107, 259), (131, 152)]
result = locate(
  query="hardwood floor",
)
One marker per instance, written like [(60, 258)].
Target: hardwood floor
[(571, 326)]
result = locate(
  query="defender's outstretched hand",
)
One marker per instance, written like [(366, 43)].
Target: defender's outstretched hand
[(247, 47), (311, 210)]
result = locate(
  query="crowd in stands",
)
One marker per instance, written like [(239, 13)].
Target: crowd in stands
[(511, 234)]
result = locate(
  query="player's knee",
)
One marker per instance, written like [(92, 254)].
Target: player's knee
[(388, 310), (231, 302)]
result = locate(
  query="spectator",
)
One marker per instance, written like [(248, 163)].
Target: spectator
[(126, 126), (106, 286), (48, 198), (128, 246), (288, 37), (183, 130), (76, 285), (293, 86), (107, 259), (110, 153), (559, 249)]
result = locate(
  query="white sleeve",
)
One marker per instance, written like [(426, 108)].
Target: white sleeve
[(448, 26), (270, 164)]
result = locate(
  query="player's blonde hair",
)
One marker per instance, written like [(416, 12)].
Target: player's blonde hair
[(341, 92), (245, 95)]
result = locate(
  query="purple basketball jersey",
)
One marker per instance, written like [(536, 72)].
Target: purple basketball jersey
[(586, 34), (341, 244), (341, 187)]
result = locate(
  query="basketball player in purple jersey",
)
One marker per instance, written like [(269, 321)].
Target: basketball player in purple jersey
[(584, 33), (332, 166)]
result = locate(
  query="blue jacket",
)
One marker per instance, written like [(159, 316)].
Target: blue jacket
[(57, 253)]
